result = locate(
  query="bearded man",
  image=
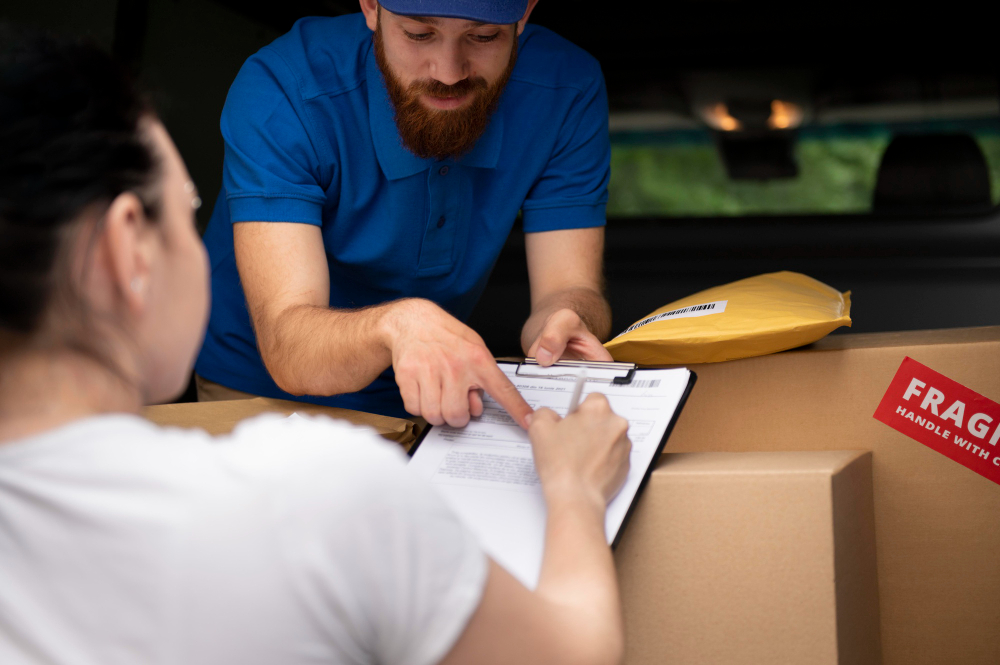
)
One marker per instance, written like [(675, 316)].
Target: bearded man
[(375, 164)]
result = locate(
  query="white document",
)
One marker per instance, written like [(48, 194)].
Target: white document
[(486, 472)]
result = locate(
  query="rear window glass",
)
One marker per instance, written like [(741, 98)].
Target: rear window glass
[(675, 165)]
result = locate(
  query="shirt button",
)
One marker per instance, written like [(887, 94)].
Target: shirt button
[(441, 220), (443, 170)]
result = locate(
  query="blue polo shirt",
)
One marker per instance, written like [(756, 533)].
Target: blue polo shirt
[(310, 138)]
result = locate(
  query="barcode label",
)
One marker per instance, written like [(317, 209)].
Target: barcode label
[(650, 383), (717, 307)]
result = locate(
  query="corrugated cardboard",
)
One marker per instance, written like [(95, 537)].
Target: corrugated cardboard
[(221, 417), (937, 523), (746, 558), (751, 558)]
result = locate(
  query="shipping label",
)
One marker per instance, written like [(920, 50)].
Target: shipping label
[(704, 309), (944, 415)]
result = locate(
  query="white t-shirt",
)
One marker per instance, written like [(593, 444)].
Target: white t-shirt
[(289, 541)]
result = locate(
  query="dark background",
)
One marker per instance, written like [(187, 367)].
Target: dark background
[(905, 273)]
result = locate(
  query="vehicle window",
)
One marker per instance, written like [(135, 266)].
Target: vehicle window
[(764, 157)]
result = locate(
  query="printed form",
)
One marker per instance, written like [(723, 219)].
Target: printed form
[(485, 470)]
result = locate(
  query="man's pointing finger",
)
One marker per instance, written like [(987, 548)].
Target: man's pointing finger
[(499, 387)]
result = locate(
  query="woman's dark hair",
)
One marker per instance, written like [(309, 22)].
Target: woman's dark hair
[(70, 142)]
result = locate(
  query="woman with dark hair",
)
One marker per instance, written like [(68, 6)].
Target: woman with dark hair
[(291, 540)]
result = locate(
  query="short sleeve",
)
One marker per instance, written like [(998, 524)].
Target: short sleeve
[(572, 192), (387, 570), (272, 171), (431, 575)]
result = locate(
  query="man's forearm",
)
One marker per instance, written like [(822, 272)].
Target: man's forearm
[(311, 350), (592, 308)]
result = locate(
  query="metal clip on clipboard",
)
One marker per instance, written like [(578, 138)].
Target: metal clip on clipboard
[(626, 371)]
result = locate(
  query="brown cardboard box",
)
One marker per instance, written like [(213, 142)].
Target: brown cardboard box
[(752, 558), (221, 417), (937, 523), (747, 558)]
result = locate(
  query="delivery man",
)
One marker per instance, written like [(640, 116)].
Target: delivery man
[(375, 164)]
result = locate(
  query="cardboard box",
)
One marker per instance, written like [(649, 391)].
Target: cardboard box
[(221, 417), (752, 558), (736, 558), (937, 523)]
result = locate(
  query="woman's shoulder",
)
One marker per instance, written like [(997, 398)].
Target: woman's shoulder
[(266, 454), (274, 442), (313, 462)]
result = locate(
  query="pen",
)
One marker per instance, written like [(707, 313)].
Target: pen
[(574, 400)]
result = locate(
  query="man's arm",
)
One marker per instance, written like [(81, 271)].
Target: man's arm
[(569, 313), (309, 348)]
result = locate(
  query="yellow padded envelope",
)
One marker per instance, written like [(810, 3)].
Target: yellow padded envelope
[(751, 317)]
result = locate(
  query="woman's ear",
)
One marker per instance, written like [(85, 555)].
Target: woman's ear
[(128, 250)]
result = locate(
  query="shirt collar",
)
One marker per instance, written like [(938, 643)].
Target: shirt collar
[(398, 162)]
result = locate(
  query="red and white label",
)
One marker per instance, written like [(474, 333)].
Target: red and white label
[(944, 415)]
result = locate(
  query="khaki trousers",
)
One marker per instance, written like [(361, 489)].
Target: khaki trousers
[(210, 391)]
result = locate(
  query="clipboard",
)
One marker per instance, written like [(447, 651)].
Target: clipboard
[(626, 370), (625, 374), (616, 376)]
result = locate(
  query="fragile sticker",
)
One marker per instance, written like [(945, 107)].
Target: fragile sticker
[(944, 415)]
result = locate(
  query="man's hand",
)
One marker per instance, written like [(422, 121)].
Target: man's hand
[(565, 335), (569, 313), (588, 451), (442, 364)]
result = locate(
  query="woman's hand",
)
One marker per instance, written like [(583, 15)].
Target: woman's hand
[(588, 450)]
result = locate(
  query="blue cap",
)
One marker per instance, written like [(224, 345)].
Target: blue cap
[(487, 11)]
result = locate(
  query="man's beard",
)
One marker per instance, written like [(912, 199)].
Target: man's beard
[(441, 133)]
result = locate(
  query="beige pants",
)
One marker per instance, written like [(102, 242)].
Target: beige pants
[(210, 391)]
